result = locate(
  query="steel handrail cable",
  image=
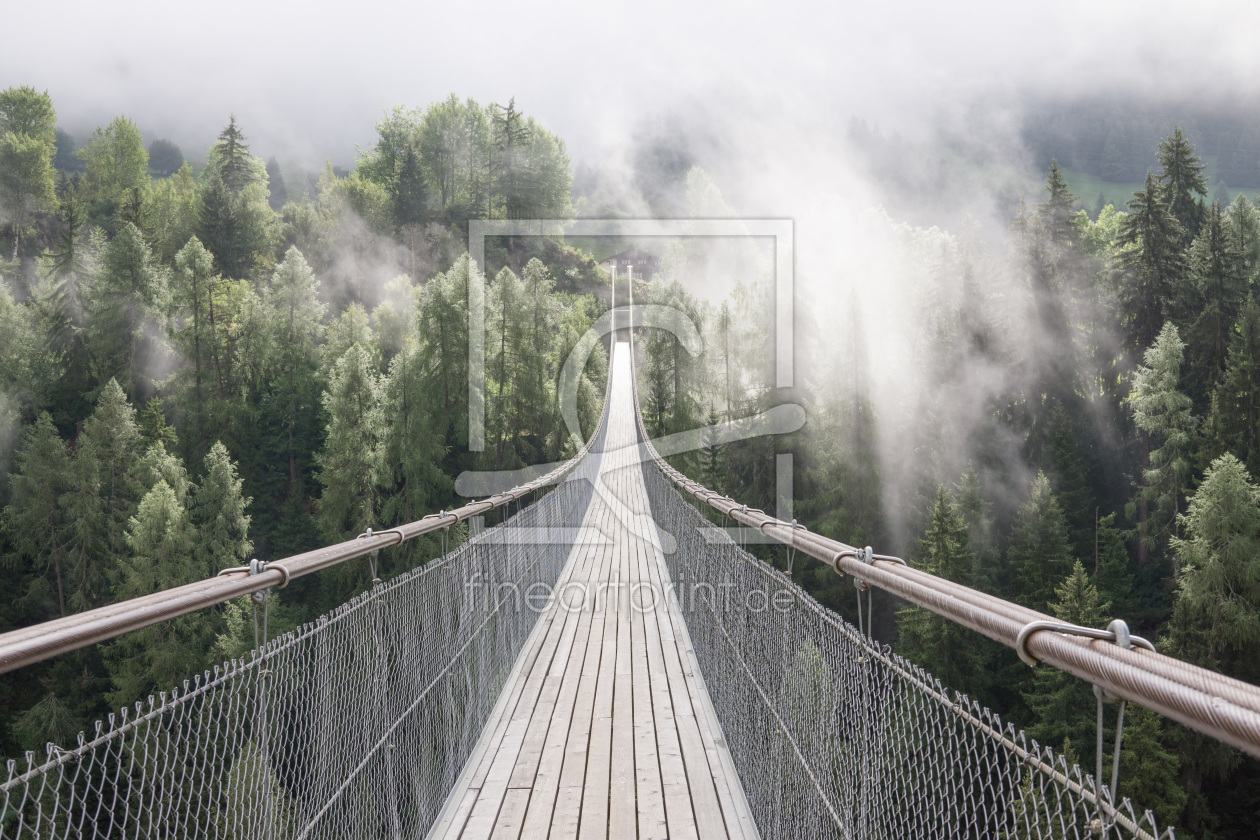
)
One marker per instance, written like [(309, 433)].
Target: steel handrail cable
[(28, 645)]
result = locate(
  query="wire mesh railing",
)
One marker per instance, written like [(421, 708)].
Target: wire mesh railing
[(355, 725), (834, 734)]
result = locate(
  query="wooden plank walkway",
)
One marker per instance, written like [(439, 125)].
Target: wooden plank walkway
[(606, 730)]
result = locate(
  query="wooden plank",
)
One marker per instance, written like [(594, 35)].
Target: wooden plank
[(511, 815), (566, 816)]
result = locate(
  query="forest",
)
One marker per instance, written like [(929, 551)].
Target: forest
[(205, 363)]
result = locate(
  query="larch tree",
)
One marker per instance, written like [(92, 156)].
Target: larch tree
[(115, 167), (192, 290), (27, 144), (162, 546), (294, 316), (127, 302), (1216, 611), (442, 324), (1162, 412), (218, 514), (106, 460), (1243, 226), (350, 462), (505, 335)]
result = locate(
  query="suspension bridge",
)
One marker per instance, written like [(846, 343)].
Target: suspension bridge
[(606, 661)]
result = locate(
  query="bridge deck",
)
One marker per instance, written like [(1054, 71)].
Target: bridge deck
[(605, 729)]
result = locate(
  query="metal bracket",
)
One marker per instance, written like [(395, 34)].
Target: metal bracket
[(1117, 632)]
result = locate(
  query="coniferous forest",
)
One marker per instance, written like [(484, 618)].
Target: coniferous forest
[(205, 361)]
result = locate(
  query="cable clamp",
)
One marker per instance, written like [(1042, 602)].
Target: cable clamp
[(1117, 632), (258, 567), (394, 532)]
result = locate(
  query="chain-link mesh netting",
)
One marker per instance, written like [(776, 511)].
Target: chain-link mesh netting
[(836, 736), (356, 725)]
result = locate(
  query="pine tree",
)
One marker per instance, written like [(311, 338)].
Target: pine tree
[(161, 542), (1038, 556), (1163, 413), (1153, 264), (1181, 180), (34, 519), (945, 649)]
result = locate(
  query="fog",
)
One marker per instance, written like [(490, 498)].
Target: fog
[(761, 95), (309, 81)]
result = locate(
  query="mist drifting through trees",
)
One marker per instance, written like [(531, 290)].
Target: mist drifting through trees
[(1023, 387)]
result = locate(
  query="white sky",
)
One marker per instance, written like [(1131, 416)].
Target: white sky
[(308, 81)]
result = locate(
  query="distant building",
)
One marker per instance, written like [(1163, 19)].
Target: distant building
[(641, 263)]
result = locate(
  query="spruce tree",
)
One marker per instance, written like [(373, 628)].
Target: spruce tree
[(1039, 556), (1163, 413), (1065, 705), (1181, 180), (34, 519), (1234, 424), (1220, 283), (279, 194), (1153, 264), (1059, 208), (945, 649)]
